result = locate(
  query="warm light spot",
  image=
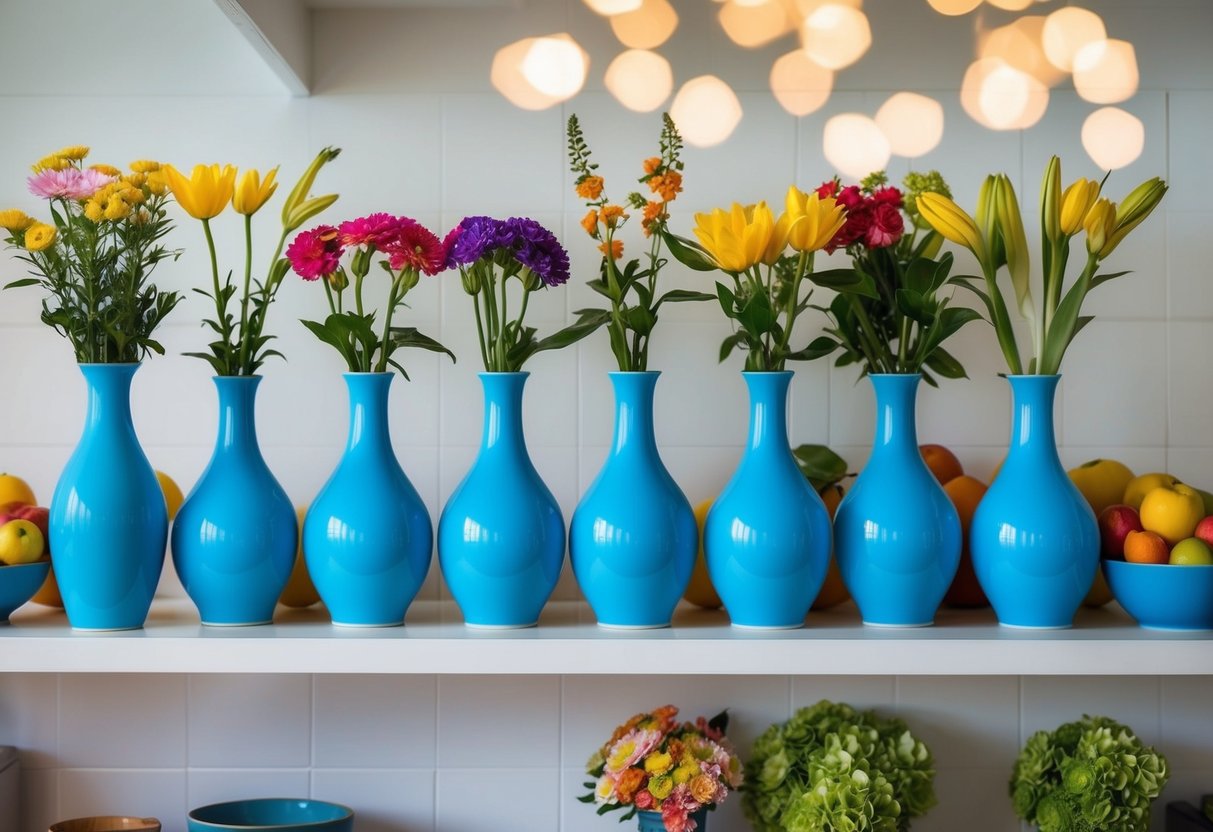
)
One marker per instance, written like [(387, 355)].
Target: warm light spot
[(1105, 72), (648, 27), (1001, 97), (1010, 5), (912, 123), (1113, 138), (640, 80), (1068, 30), (706, 111), (803, 8), (610, 7), (855, 145), (836, 36), (954, 7), (752, 24), (507, 77), (1019, 44), (556, 66), (800, 85)]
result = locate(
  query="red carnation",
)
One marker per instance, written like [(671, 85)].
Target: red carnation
[(851, 197), (888, 195), (829, 188), (415, 246)]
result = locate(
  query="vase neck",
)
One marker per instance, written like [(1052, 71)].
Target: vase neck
[(1032, 425), (368, 394), (237, 412), (768, 411), (503, 412), (109, 398), (634, 432), (896, 430)]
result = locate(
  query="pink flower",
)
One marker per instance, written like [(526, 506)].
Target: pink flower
[(415, 247), (644, 800), (316, 253), (885, 226), (677, 808), (850, 197), (374, 230), (69, 183)]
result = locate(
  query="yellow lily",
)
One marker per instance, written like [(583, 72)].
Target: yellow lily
[(1076, 201), (299, 208), (950, 220), (1133, 209), (252, 192), (738, 238), (812, 221), (1100, 225), (1014, 241), (1051, 199), (206, 193)]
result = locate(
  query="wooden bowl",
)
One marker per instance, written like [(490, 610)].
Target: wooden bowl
[(107, 823)]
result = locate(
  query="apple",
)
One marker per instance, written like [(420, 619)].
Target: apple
[(1192, 552), (1146, 547), (1208, 498), (1204, 530), (38, 515), (1115, 523), (1172, 511), (20, 542)]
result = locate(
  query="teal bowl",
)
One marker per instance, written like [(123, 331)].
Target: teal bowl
[(1163, 596), (280, 814), (19, 583)]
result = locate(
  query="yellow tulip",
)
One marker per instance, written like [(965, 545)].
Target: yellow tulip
[(1100, 224), (1076, 201), (738, 238), (252, 192), (812, 221), (1051, 200), (1133, 210), (950, 220), (206, 193), (778, 242)]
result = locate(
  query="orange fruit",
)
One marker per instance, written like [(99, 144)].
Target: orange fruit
[(48, 594), (173, 497), (299, 590), (833, 590), (1146, 547), (13, 489), (965, 591), (942, 462), (700, 591)]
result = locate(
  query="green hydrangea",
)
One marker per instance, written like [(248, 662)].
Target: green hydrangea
[(1093, 775), (831, 768), (917, 183)]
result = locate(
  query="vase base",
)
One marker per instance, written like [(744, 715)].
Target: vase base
[(798, 625), (1035, 626), (237, 623), (604, 625), (368, 626), (500, 626), (76, 629), (884, 625)]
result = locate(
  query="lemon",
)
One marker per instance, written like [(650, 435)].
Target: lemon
[(1102, 482), (700, 591), (13, 489), (299, 590), (1139, 487)]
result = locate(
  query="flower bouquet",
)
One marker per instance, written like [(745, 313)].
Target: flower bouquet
[(831, 767), (658, 767), (1093, 775)]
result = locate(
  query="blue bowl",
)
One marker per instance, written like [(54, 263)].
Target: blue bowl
[(280, 814), (19, 583), (1163, 596)]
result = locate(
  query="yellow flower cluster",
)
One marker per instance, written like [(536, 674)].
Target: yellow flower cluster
[(114, 202), (747, 235), (40, 236), (62, 159), (14, 220)]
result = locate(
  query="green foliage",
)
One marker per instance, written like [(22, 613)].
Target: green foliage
[(1093, 775), (831, 768), (820, 466)]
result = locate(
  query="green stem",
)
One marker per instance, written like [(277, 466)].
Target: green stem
[(392, 299), (244, 300), (220, 306), (503, 324), (803, 265)]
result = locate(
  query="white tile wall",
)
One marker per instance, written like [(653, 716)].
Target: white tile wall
[(424, 135)]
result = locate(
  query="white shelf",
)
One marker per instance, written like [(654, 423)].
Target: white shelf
[(1105, 642)]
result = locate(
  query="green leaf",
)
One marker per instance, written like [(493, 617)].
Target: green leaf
[(953, 318), (689, 253), (1104, 278), (945, 364), (568, 336), (408, 336), (820, 465), (25, 281), (756, 316), (915, 306), (640, 320), (684, 296), (728, 300), (1063, 326), (820, 347), (729, 344)]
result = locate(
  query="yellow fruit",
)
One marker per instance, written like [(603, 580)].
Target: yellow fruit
[(700, 591), (13, 489), (20, 542), (1102, 482), (48, 594), (1138, 487), (299, 590), (172, 493), (833, 590), (1172, 512)]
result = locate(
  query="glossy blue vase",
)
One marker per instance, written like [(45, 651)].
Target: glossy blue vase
[(633, 539), (235, 535), (1034, 538), (896, 532), (501, 535), (652, 822), (367, 537), (767, 537), (108, 518)]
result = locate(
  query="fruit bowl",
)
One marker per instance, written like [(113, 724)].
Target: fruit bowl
[(276, 813), (19, 583), (1163, 596)]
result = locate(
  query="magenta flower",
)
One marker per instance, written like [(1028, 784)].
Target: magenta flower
[(69, 183), (374, 229), (315, 253), (415, 247)]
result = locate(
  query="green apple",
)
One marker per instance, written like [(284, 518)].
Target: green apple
[(1208, 499), (1192, 552)]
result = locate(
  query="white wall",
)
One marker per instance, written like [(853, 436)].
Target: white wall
[(405, 93)]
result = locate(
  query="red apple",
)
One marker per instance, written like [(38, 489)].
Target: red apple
[(1115, 523), (38, 515), (1204, 530)]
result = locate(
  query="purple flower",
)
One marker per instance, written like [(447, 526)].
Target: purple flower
[(538, 249), (470, 240)]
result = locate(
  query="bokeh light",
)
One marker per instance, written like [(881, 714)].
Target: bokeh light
[(556, 66), (855, 145), (953, 8), (999, 96), (1010, 5), (648, 27), (706, 111), (751, 24), (506, 76), (640, 80), (1105, 72), (610, 7), (1068, 30), (800, 85), (836, 35), (912, 123), (1113, 138), (1020, 45)]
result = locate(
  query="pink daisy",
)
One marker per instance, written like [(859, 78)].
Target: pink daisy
[(69, 183), (316, 253), (415, 247)]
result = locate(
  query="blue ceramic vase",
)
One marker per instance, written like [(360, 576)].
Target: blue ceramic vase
[(652, 822), (767, 537), (235, 535), (108, 519), (896, 532), (633, 539), (1034, 538), (501, 536), (367, 537)]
